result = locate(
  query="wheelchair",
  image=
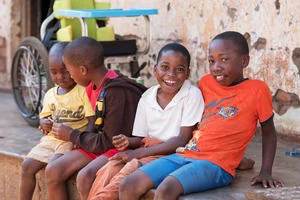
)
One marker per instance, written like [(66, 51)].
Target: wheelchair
[(69, 19)]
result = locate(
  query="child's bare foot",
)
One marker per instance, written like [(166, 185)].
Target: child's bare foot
[(246, 163)]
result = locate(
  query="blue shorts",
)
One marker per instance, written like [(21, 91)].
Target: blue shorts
[(194, 175)]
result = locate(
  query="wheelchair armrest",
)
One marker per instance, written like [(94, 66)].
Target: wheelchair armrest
[(45, 24)]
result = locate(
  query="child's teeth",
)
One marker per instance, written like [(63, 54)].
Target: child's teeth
[(219, 77), (170, 81)]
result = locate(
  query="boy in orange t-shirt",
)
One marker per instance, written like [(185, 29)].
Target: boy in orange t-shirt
[(233, 104)]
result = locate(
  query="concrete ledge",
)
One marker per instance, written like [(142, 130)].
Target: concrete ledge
[(285, 168), (10, 174)]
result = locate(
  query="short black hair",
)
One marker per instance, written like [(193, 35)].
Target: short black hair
[(177, 48), (237, 38), (58, 47), (84, 51)]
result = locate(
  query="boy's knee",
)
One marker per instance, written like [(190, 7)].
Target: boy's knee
[(28, 167), (170, 188), (162, 190), (84, 176), (53, 174), (125, 185)]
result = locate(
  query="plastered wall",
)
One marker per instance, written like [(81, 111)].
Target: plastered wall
[(10, 35), (4, 41), (272, 28)]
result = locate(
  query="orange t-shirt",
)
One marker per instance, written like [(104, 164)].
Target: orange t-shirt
[(229, 121)]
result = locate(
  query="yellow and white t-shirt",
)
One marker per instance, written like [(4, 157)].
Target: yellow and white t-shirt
[(71, 108)]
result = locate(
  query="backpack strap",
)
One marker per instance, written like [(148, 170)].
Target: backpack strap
[(100, 109)]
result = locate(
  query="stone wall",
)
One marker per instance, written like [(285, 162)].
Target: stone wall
[(271, 28)]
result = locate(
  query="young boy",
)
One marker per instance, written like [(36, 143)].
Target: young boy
[(67, 103), (85, 61), (166, 117), (233, 104)]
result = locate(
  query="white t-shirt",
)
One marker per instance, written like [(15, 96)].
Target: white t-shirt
[(185, 109)]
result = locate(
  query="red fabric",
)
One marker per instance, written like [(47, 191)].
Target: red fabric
[(94, 93), (92, 156), (229, 121)]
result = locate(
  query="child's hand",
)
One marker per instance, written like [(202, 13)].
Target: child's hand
[(45, 125), (266, 181), (125, 156), (120, 142), (62, 131)]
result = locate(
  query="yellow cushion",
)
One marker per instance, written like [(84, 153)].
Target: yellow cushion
[(73, 26), (61, 4), (102, 5), (105, 33), (64, 34)]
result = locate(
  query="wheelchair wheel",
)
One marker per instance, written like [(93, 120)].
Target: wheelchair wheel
[(30, 78)]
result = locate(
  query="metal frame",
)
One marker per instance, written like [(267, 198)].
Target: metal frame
[(82, 15)]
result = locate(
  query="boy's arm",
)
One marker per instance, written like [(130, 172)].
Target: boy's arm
[(119, 117), (91, 122), (121, 142), (268, 154), (164, 148), (134, 142)]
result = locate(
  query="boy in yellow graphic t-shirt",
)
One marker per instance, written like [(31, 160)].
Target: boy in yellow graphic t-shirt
[(65, 103)]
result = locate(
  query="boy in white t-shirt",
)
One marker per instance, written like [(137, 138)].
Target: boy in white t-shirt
[(166, 116)]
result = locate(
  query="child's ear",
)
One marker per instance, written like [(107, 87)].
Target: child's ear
[(155, 68), (83, 70), (245, 60)]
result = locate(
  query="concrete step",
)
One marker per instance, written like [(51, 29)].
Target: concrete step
[(10, 174)]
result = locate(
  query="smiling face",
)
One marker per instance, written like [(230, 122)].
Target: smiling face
[(171, 71), (226, 63), (59, 73)]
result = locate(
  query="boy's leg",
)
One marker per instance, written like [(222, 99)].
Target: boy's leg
[(111, 190), (56, 156), (104, 177), (60, 170), (29, 168), (139, 182), (170, 188), (246, 163), (135, 185), (194, 176), (87, 175)]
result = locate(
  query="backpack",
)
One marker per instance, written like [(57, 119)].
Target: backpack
[(100, 110)]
